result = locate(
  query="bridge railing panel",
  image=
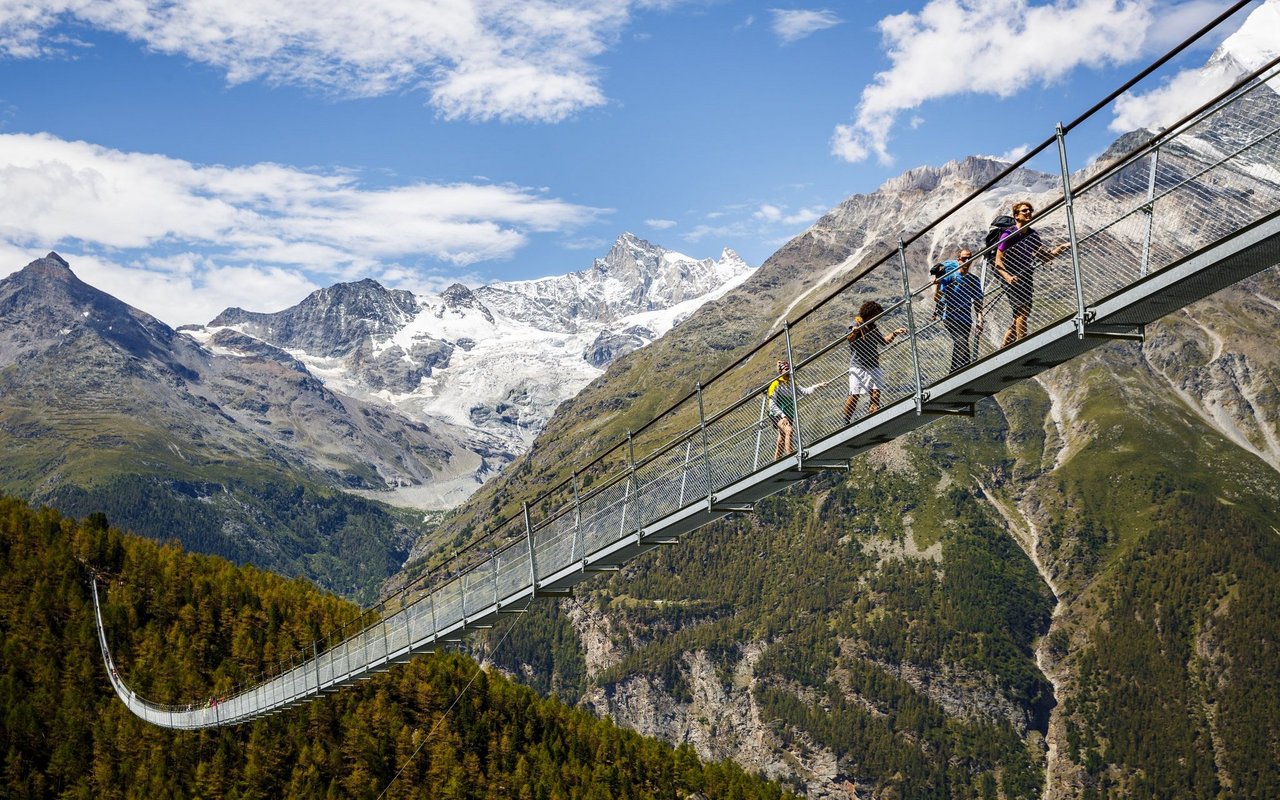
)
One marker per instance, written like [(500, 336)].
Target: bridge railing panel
[(398, 631), (513, 568), (449, 604), (600, 514), (554, 544), (477, 588), (732, 443), (662, 481)]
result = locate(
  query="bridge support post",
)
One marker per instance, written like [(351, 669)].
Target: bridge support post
[(706, 450), (435, 628), (629, 490), (755, 459), (533, 561), (462, 583), (1149, 210), (684, 471), (386, 637), (795, 398), (576, 547), (1081, 316), (911, 327)]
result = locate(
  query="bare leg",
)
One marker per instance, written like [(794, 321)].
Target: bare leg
[(1020, 325), (783, 446), (875, 401), (850, 404)]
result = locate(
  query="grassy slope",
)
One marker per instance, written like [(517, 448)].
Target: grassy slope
[(246, 511)]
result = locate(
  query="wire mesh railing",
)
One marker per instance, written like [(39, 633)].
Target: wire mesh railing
[(1204, 178)]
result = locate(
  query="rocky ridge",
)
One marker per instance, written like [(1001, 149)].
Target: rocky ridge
[(494, 361)]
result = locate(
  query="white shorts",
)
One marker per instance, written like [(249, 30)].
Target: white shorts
[(863, 380)]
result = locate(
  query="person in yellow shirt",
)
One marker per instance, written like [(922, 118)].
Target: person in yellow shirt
[(782, 409)]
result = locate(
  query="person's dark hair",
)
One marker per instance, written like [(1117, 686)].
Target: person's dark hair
[(869, 310), (936, 270)]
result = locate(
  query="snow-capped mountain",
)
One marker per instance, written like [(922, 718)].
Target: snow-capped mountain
[(496, 360), (1254, 43)]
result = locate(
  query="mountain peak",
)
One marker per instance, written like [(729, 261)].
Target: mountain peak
[(331, 321), (458, 295), (52, 265), (1255, 42)]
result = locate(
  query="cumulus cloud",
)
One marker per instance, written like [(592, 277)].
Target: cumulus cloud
[(793, 25), (774, 214), (1159, 107), (476, 59), (1255, 43), (987, 36), (176, 224), (771, 223), (1011, 155)]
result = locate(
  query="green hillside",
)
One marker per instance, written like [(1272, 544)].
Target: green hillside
[(186, 627)]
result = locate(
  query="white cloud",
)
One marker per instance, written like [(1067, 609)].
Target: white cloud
[(181, 226), (792, 25), (766, 223), (660, 224), (1011, 155), (988, 39), (770, 213), (1176, 22), (1256, 42), (1159, 107), (477, 59)]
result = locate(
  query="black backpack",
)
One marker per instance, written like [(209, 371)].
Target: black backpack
[(999, 225)]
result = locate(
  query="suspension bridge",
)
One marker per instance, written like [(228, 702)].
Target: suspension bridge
[(1190, 211)]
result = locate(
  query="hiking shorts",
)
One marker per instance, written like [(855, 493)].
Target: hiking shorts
[(863, 379), (1019, 295)]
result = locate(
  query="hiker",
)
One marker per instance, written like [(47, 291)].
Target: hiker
[(938, 272), (1016, 256), (959, 294), (865, 375), (782, 410)]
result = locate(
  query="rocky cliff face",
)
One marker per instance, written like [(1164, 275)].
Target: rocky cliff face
[(329, 322)]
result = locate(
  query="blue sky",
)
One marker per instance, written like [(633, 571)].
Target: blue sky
[(188, 155)]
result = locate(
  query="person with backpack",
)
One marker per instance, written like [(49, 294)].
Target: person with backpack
[(938, 272), (959, 295), (1016, 256), (865, 374)]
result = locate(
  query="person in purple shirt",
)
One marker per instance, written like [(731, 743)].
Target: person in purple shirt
[(1019, 252)]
